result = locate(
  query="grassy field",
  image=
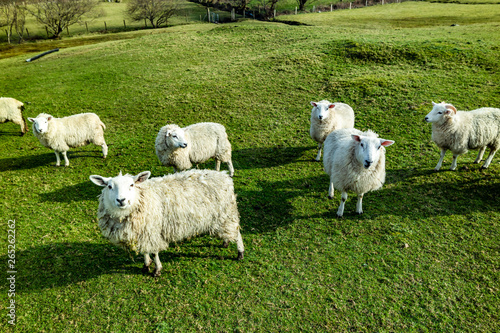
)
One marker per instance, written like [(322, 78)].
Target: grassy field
[(423, 257)]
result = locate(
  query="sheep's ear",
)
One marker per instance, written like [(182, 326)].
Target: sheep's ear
[(450, 108), (356, 138), (434, 104), (99, 180), (120, 174), (386, 143), (169, 133), (314, 104), (331, 106), (32, 120), (141, 177)]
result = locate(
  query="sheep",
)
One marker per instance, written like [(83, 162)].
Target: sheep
[(460, 131), (180, 147), (12, 110), (355, 161), (327, 117), (144, 215), (61, 134)]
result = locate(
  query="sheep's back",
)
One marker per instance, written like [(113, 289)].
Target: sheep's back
[(207, 140), (10, 109)]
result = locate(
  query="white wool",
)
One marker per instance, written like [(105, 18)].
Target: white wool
[(12, 110), (460, 131), (327, 117), (146, 215), (61, 134), (197, 143), (355, 161)]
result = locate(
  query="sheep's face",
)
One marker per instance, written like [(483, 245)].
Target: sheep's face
[(120, 193), (175, 138), (369, 148), (40, 124), (321, 110), (440, 111)]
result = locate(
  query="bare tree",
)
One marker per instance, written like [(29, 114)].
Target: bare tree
[(57, 15), (157, 12), (269, 7), (302, 3), (13, 15)]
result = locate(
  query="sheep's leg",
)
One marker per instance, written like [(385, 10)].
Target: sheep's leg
[(240, 246), (104, 150), (438, 166), (58, 160), (318, 157), (217, 165), (231, 169), (158, 266), (330, 190), (454, 162), (147, 263), (359, 204), (488, 160), (66, 161), (343, 199), (225, 243), (480, 154)]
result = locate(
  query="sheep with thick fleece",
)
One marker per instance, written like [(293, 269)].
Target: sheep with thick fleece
[(327, 117), (12, 110), (61, 134), (145, 215), (197, 143), (460, 131), (355, 161)]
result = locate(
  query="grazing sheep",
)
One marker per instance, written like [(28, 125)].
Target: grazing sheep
[(145, 215), (197, 143), (12, 110), (460, 131), (61, 134), (327, 117), (355, 161)]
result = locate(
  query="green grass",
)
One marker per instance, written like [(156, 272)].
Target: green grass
[(304, 269)]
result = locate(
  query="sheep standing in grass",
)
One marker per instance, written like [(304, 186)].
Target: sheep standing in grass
[(355, 161), (197, 143), (12, 110), (327, 117), (61, 134), (145, 215), (460, 131)]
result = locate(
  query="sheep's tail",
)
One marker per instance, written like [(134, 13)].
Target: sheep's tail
[(102, 124)]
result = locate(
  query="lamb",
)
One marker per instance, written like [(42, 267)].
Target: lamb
[(460, 131), (197, 143), (327, 117), (144, 215), (61, 134), (12, 110), (355, 161)]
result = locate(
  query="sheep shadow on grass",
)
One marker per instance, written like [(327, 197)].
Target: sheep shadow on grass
[(256, 158), (83, 191)]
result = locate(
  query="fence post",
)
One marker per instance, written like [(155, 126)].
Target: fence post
[(350, 5), (331, 7), (274, 13), (295, 10), (314, 9), (208, 14)]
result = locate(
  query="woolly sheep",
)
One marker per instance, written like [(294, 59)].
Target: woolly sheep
[(460, 131), (61, 134), (12, 110), (197, 143), (145, 215), (355, 161), (327, 117)]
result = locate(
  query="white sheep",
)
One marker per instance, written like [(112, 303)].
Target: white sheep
[(61, 134), (327, 117), (12, 110), (197, 143), (145, 215), (355, 161), (460, 131)]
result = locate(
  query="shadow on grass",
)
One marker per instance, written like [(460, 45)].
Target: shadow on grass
[(13, 133), (62, 264), (256, 158), (83, 191)]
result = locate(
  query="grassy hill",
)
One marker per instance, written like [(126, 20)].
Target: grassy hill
[(423, 257)]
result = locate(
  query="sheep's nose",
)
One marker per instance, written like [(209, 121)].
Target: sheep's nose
[(426, 118), (121, 202), (320, 117), (184, 145), (367, 164)]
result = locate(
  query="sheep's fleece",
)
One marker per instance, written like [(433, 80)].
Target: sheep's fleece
[(12, 110)]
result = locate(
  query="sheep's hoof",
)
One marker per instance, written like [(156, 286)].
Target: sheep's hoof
[(330, 197), (156, 273), (145, 269), (225, 244), (360, 213), (339, 216), (240, 256), (484, 167), (436, 169)]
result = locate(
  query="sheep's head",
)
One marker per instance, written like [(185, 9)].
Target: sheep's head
[(321, 110), (368, 148), (175, 137), (440, 111), (120, 193), (41, 123)]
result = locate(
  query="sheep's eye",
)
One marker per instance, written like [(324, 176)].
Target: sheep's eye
[(131, 185), (440, 113), (362, 145), (109, 186), (379, 147), (174, 136)]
